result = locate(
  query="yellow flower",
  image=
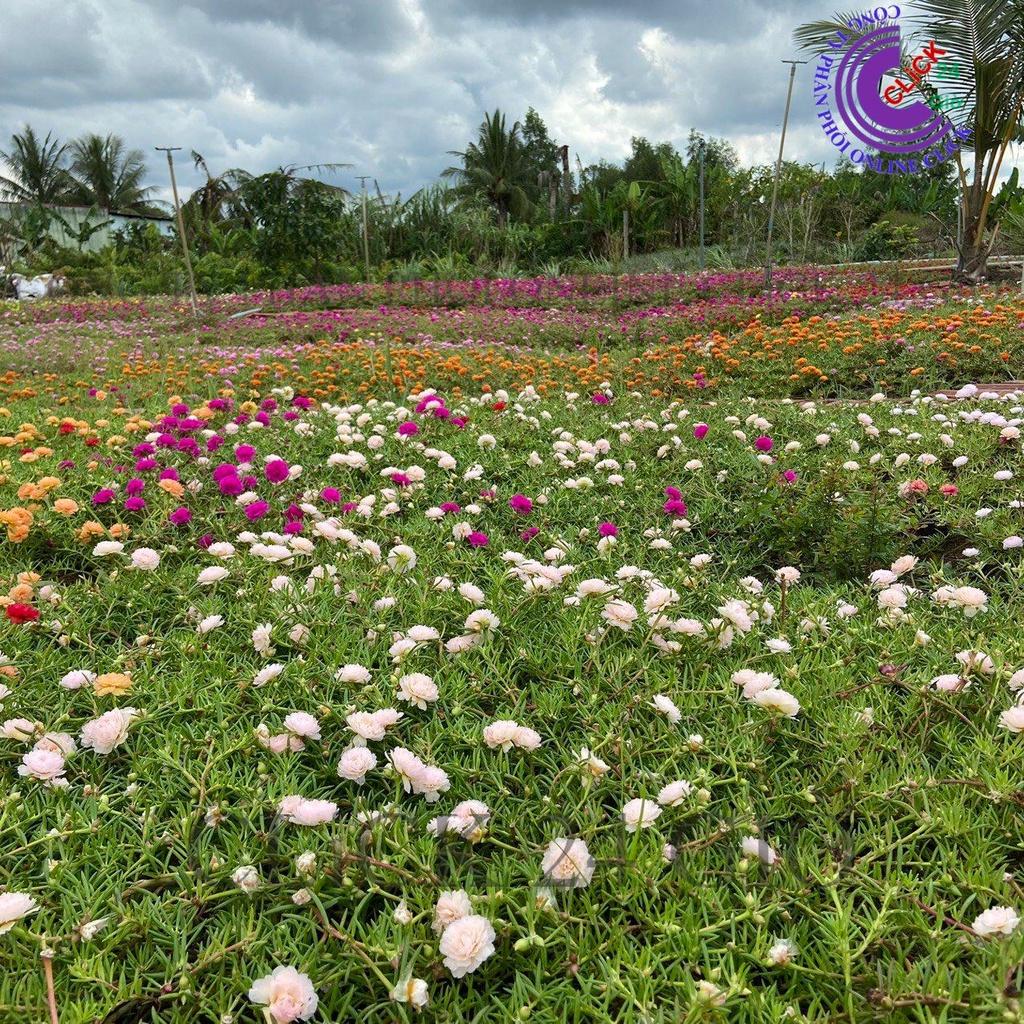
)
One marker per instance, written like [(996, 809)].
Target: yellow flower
[(112, 684)]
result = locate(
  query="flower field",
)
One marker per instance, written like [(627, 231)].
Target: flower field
[(506, 651)]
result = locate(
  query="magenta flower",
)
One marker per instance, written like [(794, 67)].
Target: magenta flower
[(520, 503), (256, 510), (477, 539), (134, 504), (103, 497), (245, 453), (276, 471), (608, 530), (600, 398), (331, 494), (700, 431), (675, 507), (764, 443), (789, 476), (408, 428), (529, 533), (180, 516), (450, 508)]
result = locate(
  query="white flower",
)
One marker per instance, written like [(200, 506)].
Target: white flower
[(1013, 718), (108, 731), (640, 813), (777, 700), (109, 547), (412, 991), (466, 944), (210, 622), (452, 905), (13, 907), (996, 921), (145, 559), (418, 689), (754, 847), (212, 574), (666, 707), (567, 862), (781, 953), (402, 558), (353, 674), (355, 763), (247, 878), (288, 995), (674, 793), (620, 614)]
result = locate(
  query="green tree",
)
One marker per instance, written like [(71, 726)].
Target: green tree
[(109, 175), (541, 154), (39, 173), (495, 168)]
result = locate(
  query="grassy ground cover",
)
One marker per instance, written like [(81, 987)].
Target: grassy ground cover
[(475, 683)]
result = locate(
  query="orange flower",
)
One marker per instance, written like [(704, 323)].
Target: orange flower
[(172, 487), (112, 684), (65, 506)]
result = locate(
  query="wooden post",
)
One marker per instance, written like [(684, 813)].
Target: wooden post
[(625, 234), (566, 179), (181, 228), (778, 170), (366, 231)]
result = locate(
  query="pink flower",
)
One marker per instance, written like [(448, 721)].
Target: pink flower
[(276, 471), (700, 431), (300, 811), (466, 944), (287, 994), (521, 504), (108, 731)]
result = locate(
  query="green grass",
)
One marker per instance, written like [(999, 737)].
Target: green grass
[(892, 835)]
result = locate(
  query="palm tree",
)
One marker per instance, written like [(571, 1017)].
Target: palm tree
[(109, 174), (39, 175), (496, 168), (986, 39), (676, 196)]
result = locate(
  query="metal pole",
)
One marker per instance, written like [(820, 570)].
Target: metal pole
[(181, 227), (702, 148), (366, 231), (778, 170)]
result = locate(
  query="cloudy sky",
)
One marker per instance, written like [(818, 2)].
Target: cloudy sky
[(390, 86)]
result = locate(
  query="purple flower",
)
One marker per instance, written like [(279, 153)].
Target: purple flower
[(276, 471), (520, 503)]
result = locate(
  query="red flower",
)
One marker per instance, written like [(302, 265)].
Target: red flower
[(21, 613), (498, 406)]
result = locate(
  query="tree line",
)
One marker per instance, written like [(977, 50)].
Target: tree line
[(516, 201)]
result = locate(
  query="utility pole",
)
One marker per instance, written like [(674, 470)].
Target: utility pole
[(778, 170), (181, 227), (363, 178), (703, 147)]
